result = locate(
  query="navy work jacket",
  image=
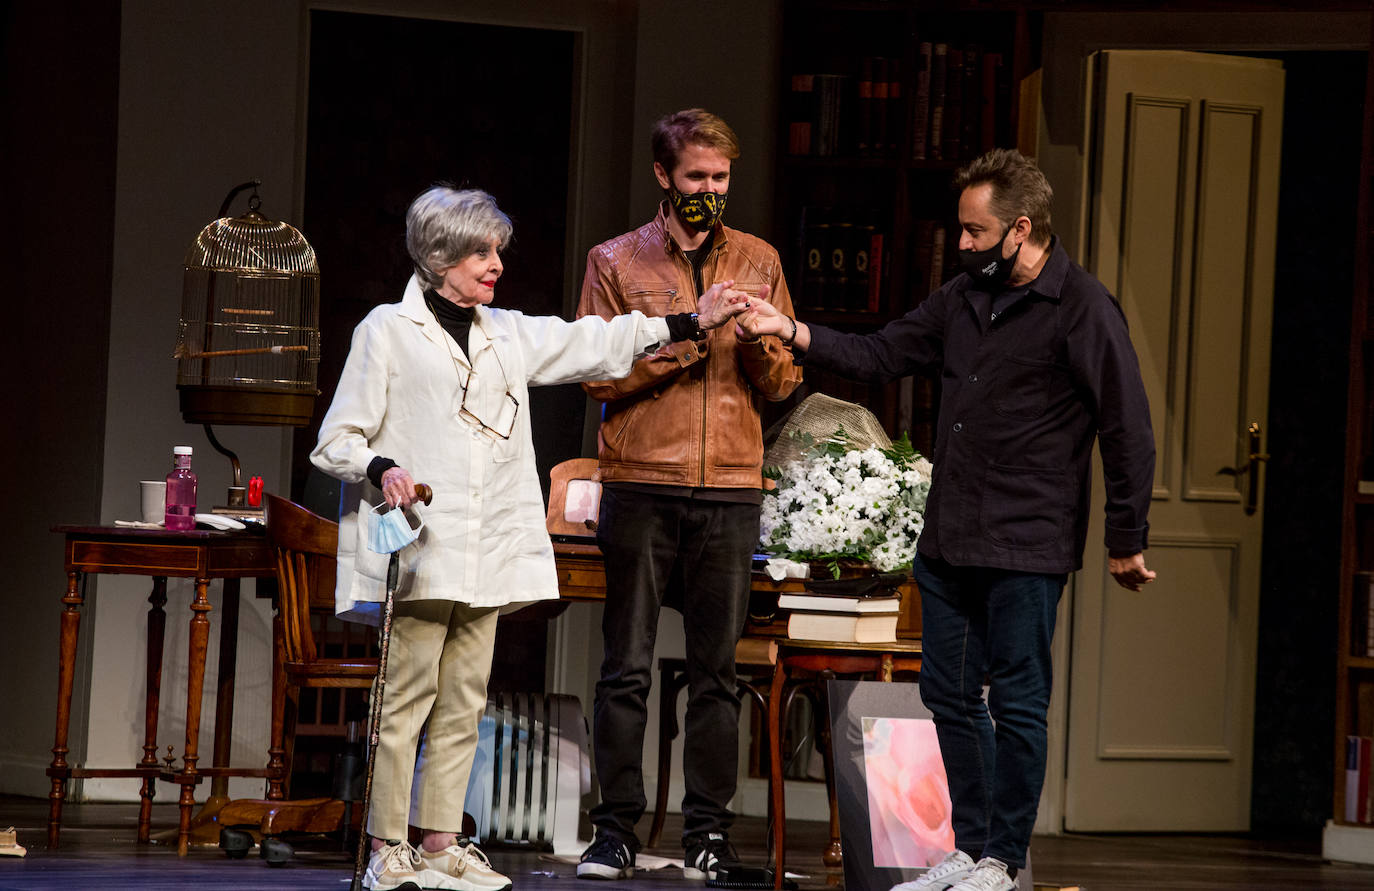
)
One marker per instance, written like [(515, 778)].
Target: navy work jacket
[(1022, 398)]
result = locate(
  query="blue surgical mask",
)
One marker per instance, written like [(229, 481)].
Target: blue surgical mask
[(393, 529)]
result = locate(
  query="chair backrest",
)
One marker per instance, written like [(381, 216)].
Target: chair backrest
[(581, 477), (306, 546)]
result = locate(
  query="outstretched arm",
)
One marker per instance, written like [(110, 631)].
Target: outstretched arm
[(761, 317)]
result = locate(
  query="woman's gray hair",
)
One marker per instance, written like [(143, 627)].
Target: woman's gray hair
[(445, 225)]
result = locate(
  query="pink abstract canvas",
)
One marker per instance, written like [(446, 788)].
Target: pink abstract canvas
[(908, 794)]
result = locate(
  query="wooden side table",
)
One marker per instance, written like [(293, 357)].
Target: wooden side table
[(196, 554), (823, 660)]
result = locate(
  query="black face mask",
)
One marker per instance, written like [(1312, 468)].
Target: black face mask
[(989, 268), (700, 210)]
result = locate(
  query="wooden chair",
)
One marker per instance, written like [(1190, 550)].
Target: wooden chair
[(305, 545)]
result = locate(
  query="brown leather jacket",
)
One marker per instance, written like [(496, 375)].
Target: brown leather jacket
[(687, 415)]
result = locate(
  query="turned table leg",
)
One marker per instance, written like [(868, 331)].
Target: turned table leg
[(195, 686), (66, 672), (832, 855), (157, 625), (776, 710)]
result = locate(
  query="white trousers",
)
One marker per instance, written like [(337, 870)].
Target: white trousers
[(436, 686)]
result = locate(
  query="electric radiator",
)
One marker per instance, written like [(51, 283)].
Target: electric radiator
[(531, 770)]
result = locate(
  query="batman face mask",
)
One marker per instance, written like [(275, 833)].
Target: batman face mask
[(393, 529), (700, 210)]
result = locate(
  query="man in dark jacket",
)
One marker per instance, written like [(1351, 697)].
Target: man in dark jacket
[(681, 454), (1035, 363)]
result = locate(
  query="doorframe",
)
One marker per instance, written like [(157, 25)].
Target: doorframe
[(1062, 143)]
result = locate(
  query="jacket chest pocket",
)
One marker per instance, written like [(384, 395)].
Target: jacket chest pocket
[(1023, 385), (651, 298)]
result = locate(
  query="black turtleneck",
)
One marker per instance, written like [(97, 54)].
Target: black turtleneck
[(455, 319)]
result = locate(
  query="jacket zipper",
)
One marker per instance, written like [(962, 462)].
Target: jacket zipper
[(706, 374), (705, 403)]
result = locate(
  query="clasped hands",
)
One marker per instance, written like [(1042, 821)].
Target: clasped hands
[(753, 314)]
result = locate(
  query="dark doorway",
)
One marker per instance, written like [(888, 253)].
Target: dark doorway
[(396, 105), (1313, 283)]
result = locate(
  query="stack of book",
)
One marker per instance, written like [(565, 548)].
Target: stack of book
[(842, 618), (962, 102)]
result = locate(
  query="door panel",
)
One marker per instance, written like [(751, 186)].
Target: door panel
[(1183, 196)]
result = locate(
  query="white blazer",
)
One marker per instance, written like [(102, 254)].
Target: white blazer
[(483, 541)]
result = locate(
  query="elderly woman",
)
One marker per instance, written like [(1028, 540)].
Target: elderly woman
[(434, 390)]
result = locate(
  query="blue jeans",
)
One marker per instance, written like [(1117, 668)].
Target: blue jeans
[(694, 555), (993, 624)]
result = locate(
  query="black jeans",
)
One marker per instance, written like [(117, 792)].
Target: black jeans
[(696, 553), (996, 624)]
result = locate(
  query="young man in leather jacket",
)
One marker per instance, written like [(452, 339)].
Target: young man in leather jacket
[(681, 455)]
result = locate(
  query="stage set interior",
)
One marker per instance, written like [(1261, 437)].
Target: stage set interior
[(130, 122)]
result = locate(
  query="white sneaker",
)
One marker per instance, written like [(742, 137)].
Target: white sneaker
[(990, 874), (391, 867), (460, 867), (942, 875)]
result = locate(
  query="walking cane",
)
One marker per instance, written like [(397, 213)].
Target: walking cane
[(393, 570)]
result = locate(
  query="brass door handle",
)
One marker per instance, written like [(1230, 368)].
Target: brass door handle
[(1252, 468)]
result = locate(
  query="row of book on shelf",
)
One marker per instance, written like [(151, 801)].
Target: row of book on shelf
[(1362, 615), (1359, 790), (960, 106), (844, 260)]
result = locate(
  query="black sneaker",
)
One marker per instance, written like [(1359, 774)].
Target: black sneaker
[(705, 852), (606, 858)]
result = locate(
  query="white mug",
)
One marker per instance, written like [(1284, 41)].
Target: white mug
[(154, 493)]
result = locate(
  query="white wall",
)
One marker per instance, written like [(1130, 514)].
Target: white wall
[(203, 106)]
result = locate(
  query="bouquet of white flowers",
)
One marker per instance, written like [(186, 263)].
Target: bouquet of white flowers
[(840, 503)]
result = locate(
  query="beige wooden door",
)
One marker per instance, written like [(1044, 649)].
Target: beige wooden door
[(1182, 203)]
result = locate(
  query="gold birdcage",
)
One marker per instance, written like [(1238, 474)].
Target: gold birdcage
[(248, 347)]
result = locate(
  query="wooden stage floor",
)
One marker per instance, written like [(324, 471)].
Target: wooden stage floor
[(99, 852)]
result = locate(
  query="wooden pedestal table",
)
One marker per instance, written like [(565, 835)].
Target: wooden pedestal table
[(201, 555)]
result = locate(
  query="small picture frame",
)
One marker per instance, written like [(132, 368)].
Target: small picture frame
[(583, 503), (890, 785)]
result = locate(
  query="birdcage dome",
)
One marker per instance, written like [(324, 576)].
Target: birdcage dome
[(252, 242), (248, 346)]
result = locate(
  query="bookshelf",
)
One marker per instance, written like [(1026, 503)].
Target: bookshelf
[(880, 103), (1349, 835)]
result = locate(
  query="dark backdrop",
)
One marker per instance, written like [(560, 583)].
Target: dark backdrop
[(396, 105), (1300, 575)]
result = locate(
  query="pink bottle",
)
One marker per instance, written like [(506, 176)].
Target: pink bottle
[(181, 491)]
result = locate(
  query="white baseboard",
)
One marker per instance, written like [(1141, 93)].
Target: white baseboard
[(1350, 844)]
